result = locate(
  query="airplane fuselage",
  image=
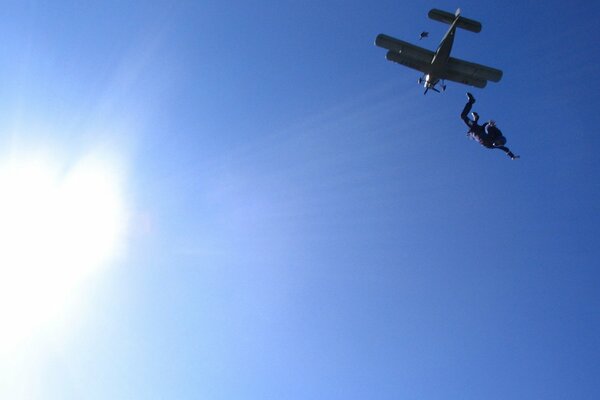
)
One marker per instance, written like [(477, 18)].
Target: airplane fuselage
[(440, 58)]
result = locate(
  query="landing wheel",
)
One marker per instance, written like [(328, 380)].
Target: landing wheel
[(420, 80), (443, 87)]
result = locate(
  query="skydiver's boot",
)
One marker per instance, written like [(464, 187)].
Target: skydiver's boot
[(471, 98)]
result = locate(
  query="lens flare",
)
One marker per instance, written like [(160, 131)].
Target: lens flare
[(57, 228)]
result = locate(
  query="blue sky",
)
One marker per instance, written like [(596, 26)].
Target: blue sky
[(302, 221)]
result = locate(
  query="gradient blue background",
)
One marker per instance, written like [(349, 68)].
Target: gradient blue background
[(315, 227)]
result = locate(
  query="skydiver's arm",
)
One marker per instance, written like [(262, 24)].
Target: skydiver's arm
[(507, 151)]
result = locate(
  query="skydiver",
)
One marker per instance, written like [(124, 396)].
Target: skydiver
[(488, 134), (424, 34)]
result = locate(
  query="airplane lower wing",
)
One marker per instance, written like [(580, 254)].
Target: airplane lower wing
[(470, 70), (464, 79), (406, 50)]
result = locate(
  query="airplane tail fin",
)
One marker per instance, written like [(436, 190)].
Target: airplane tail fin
[(448, 18)]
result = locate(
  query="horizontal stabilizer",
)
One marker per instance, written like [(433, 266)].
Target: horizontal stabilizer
[(448, 18)]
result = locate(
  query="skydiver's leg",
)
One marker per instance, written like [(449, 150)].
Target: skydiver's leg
[(507, 151), (465, 114), (467, 109)]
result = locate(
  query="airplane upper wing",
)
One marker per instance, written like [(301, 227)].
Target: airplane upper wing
[(405, 59), (472, 71), (405, 53), (420, 59)]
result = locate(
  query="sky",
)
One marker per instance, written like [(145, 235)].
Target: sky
[(245, 200)]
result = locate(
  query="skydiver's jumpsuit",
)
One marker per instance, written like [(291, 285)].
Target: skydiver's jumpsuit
[(487, 136)]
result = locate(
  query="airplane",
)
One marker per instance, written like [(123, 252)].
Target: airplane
[(439, 66)]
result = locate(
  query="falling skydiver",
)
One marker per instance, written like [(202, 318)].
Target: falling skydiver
[(488, 134)]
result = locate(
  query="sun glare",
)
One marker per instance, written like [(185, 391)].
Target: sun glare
[(57, 227)]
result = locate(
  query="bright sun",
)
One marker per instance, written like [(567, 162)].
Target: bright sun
[(57, 227)]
